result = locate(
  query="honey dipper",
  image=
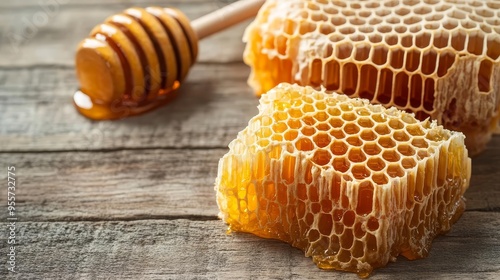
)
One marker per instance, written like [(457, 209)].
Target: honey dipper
[(135, 60)]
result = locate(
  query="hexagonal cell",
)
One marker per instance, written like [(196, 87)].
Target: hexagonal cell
[(395, 124), (382, 129), (351, 128), (379, 56), (365, 122), (406, 150), (308, 120), (375, 38), (265, 121), (400, 136), (493, 48), (334, 112), (321, 116), (354, 141), (419, 143), (347, 30), (291, 134), (344, 51), (401, 29), (349, 218), (368, 86), (325, 224), (280, 127), (319, 17), (264, 132), (368, 135), (408, 163), (360, 172), (415, 130), (372, 149), (401, 89), (394, 170), (323, 126), (280, 116), (391, 39), (391, 155), (364, 113), (446, 60), (421, 154), (356, 155), (347, 107), (375, 164), (372, 224), (308, 131), (386, 142), (365, 198), (294, 123), (336, 122), (341, 164), (277, 137), (349, 116), (322, 140), (322, 157), (304, 144), (380, 178), (428, 66), (338, 147), (315, 208), (359, 232), (362, 51), (337, 133), (263, 142), (307, 108)]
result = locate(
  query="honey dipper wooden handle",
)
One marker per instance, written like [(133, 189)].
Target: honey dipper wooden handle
[(226, 17), (136, 60)]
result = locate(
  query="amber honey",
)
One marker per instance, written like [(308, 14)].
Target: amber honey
[(354, 185), (435, 58)]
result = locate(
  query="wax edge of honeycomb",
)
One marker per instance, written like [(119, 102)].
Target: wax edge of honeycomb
[(365, 269), (479, 124)]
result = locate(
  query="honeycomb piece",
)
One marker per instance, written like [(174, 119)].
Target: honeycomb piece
[(352, 184), (438, 58)]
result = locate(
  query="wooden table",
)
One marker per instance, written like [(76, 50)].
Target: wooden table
[(134, 198)]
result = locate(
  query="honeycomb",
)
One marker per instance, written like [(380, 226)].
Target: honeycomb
[(437, 58), (352, 184)]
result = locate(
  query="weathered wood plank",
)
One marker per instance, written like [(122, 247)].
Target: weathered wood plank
[(37, 114), (215, 103), (484, 190), (138, 184), (114, 185), (183, 249), (47, 34)]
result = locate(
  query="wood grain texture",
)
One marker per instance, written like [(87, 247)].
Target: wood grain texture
[(141, 184), (184, 249), (37, 113), (134, 199), (45, 34), (154, 183)]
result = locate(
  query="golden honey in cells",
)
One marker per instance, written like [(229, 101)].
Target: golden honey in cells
[(438, 58), (352, 184)]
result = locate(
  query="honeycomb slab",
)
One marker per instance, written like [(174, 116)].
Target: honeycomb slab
[(352, 184), (438, 58)]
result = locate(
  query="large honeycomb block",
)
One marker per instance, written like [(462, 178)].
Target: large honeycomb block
[(438, 58), (352, 184)]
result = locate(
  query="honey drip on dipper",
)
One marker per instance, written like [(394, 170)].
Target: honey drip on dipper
[(135, 61)]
